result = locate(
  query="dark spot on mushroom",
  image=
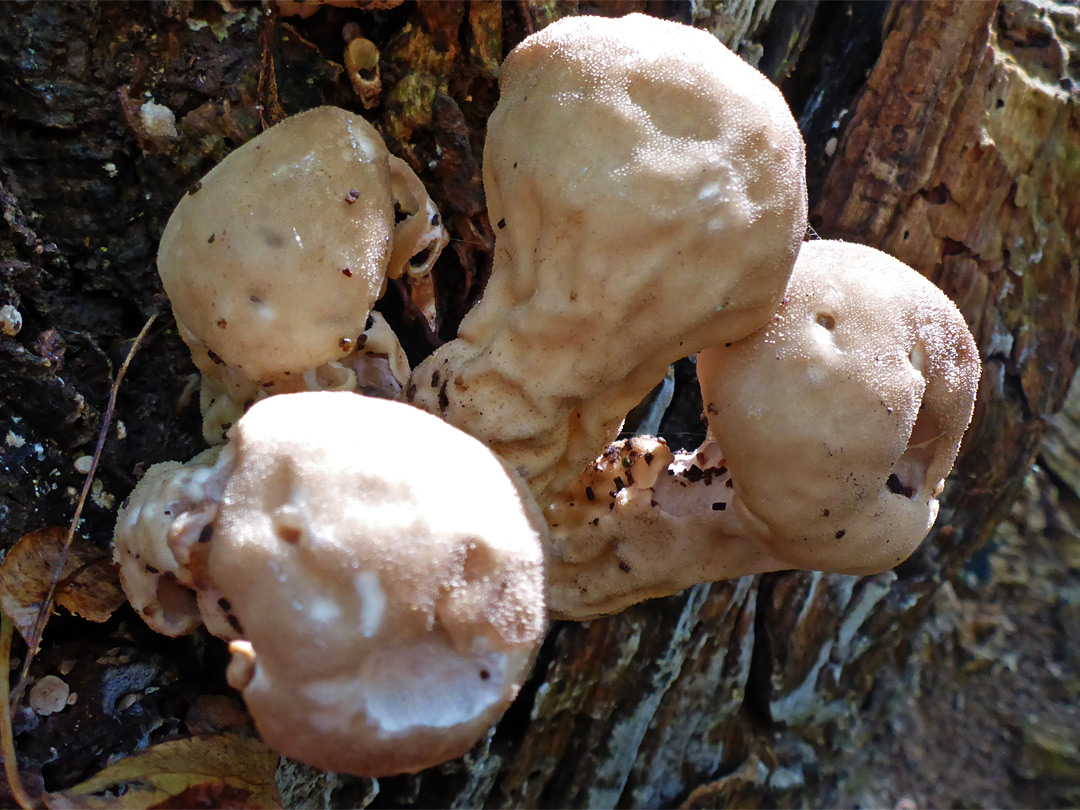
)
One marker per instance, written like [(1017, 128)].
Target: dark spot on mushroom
[(619, 485), (224, 604), (207, 534), (151, 569), (729, 484), (214, 357), (435, 219), (594, 522), (361, 341), (721, 470), (210, 241), (290, 534), (826, 320), (352, 196), (590, 494), (435, 378), (444, 400), (484, 675), (222, 323), (421, 258), (347, 272), (897, 487), (624, 567), (630, 478), (712, 408), (254, 299), (719, 506), (825, 513), (501, 223), (370, 322), (840, 533), (410, 392), (648, 458), (234, 623)]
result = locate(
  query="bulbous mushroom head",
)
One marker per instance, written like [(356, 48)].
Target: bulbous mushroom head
[(385, 576), (840, 420), (634, 136), (273, 263), (647, 190)]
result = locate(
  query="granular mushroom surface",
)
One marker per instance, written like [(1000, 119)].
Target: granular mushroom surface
[(831, 431), (647, 190), (378, 573), (273, 261)]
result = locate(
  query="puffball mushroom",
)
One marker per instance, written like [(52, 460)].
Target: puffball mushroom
[(378, 572), (648, 195), (273, 262), (831, 431)]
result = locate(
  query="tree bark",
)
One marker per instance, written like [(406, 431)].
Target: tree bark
[(947, 134)]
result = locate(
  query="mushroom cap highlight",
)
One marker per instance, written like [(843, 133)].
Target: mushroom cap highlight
[(254, 260), (385, 575), (840, 420)]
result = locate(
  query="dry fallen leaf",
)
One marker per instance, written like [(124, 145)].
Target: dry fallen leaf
[(213, 771), (89, 585)]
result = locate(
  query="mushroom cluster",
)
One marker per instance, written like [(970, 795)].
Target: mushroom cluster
[(830, 433), (648, 193), (273, 261), (383, 575), (383, 603)]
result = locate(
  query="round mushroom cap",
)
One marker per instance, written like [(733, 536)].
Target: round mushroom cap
[(649, 144), (273, 263), (385, 575), (840, 420)]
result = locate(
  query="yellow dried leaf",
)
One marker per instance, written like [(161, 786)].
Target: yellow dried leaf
[(220, 770), (88, 586), (93, 592)]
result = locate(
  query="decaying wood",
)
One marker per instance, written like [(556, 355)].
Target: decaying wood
[(959, 153)]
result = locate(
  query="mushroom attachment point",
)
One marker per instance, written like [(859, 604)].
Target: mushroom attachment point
[(272, 266), (831, 431), (383, 602), (647, 190)]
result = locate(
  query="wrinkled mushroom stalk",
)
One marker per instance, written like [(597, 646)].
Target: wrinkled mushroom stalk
[(273, 262), (648, 196), (379, 620), (831, 431)]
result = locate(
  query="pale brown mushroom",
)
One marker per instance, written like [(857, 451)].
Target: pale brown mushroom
[(379, 574), (647, 191), (831, 431), (273, 262)]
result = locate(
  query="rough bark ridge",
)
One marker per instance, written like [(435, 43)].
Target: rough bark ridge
[(959, 152)]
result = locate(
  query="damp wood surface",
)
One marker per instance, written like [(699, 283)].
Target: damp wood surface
[(947, 134)]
